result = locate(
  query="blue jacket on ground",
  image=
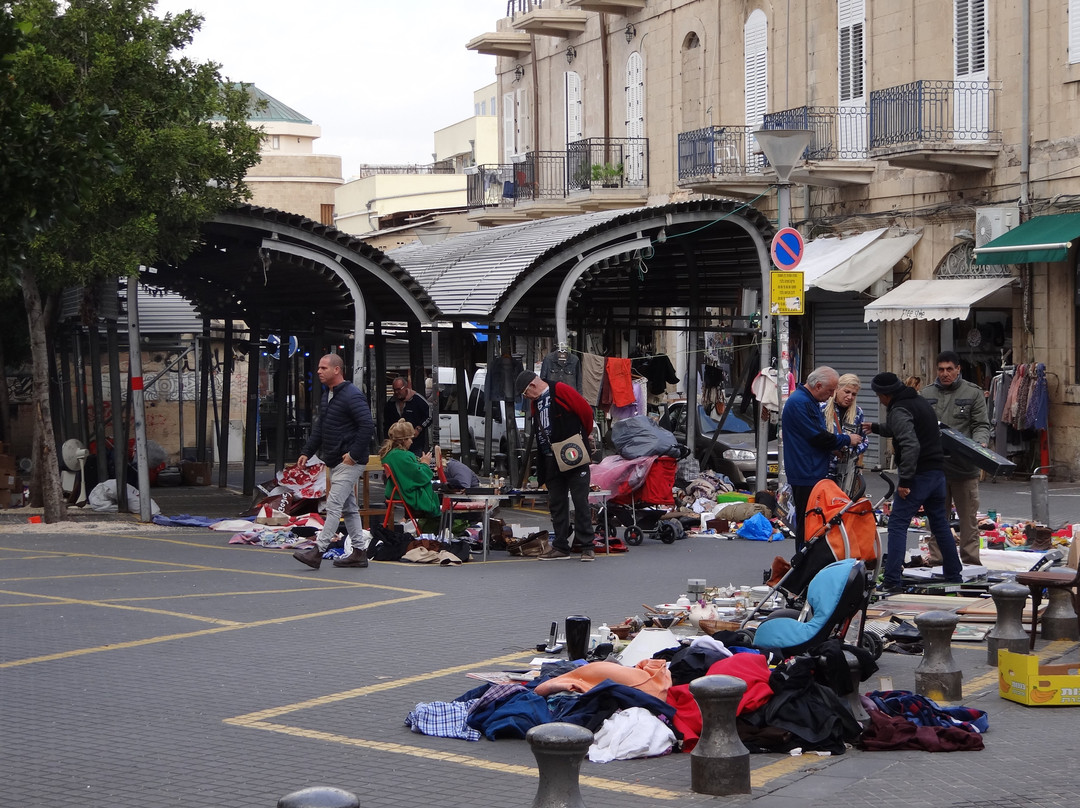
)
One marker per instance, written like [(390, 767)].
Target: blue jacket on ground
[(808, 443)]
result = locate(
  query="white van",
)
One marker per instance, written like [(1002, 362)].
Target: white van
[(448, 414)]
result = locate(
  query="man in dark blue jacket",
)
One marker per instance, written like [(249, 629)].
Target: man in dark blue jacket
[(341, 437), (911, 423), (808, 443)]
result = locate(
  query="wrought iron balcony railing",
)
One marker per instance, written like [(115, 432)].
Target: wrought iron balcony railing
[(542, 176), (839, 132), (607, 163), (491, 186), (932, 111), (718, 150)]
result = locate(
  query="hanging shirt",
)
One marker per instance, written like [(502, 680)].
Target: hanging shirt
[(562, 366)]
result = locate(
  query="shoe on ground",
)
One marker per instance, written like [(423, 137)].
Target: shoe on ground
[(884, 590), (554, 554), (588, 555), (312, 557), (357, 558)]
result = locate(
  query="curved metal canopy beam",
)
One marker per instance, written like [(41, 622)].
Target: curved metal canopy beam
[(346, 277)]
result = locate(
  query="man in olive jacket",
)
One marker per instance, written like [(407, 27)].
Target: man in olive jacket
[(961, 405)]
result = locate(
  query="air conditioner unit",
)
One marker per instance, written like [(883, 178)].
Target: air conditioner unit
[(993, 222)]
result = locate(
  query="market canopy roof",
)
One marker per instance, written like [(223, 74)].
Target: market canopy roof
[(941, 299), (1044, 238), (851, 264)]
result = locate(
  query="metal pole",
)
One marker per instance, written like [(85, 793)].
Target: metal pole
[(137, 408), (783, 337)]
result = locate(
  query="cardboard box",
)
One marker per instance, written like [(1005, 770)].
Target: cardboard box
[(967, 450), (195, 473), (1022, 679)]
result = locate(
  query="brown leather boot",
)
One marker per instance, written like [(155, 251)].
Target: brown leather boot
[(312, 557), (1044, 538), (357, 558)]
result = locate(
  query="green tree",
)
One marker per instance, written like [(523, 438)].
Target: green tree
[(150, 145)]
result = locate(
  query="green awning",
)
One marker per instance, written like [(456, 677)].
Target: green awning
[(1044, 238)]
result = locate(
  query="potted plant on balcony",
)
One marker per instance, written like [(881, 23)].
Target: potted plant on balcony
[(608, 175)]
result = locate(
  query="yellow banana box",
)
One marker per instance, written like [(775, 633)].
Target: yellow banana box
[(1022, 679)]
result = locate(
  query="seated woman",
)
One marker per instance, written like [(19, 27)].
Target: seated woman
[(413, 474)]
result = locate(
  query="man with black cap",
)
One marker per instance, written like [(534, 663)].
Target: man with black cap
[(559, 412), (911, 423)]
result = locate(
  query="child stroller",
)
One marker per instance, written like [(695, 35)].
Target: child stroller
[(838, 528), (638, 501)]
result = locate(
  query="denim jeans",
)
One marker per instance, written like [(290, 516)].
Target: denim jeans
[(927, 490), (341, 499)]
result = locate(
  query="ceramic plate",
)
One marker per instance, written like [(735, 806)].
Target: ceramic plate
[(671, 608)]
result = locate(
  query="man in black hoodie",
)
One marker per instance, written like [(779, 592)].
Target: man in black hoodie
[(911, 423)]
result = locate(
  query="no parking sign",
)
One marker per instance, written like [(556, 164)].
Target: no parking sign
[(787, 248)]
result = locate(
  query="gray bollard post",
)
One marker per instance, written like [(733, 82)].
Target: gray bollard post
[(854, 700), (559, 749), (1040, 497), (1008, 632), (938, 677), (719, 764), (319, 797), (1058, 622)]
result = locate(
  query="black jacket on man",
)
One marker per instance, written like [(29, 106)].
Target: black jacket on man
[(344, 425), (913, 426)]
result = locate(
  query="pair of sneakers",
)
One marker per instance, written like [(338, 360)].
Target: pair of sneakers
[(555, 554)]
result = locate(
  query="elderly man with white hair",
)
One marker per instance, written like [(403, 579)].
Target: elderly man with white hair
[(808, 443)]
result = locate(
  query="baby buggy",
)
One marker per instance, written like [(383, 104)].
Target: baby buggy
[(641, 494), (838, 529)]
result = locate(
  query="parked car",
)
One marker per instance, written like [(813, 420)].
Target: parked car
[(449, 422), (735, 450)]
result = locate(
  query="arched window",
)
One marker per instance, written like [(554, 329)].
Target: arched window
[(692, 83)]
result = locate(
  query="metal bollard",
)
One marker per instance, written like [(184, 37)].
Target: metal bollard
[(854, 701), (319, 797), (1058, 622), (1008, 632), (1040, 498), (937, 676), (719, 764), (559, 749)]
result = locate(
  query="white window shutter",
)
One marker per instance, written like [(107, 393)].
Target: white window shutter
[(970, 46), (755, 74), (521, 143), (1074, 31), (851, 17), (574, 130), (509, 127)]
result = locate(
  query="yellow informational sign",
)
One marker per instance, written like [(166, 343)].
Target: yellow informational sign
[(786, 292)]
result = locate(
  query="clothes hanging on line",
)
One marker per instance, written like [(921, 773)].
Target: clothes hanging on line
[(562, 366)]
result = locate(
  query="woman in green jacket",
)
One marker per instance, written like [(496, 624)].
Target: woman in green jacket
[(413, 474)]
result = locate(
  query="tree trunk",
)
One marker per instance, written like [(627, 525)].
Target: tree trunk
[(45, 460)]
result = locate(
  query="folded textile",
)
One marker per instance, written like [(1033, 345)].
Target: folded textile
[(187, 520), (629, 734), (925, 712), (443, 719), (896, 732), (650, 676)]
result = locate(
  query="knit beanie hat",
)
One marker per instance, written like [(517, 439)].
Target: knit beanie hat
[(887, 384)]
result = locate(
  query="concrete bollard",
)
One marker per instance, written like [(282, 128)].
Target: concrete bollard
[(559, 749), (319, 797), (1058, 622), (1008, 632), (719, 764), (1040, 497), (854, 700), (937, 676)]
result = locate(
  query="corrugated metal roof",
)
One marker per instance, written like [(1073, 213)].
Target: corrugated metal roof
[(469, 274)]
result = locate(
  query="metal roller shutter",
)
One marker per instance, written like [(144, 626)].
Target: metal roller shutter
[(843, 341)]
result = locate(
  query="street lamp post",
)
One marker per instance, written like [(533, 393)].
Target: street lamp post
[(784, 149)]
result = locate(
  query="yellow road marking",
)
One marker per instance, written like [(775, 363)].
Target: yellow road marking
[(761, 777), (90, 575), (209, 631), (104, 605), (465, 760)]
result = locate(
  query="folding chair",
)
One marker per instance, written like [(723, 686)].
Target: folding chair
[(394, 498)]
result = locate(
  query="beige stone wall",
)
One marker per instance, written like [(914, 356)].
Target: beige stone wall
[(299, 184)]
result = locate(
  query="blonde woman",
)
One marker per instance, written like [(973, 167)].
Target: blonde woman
[(842, 414), (413, 474)]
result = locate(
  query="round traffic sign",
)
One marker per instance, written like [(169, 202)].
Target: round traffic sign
[(787, 248)]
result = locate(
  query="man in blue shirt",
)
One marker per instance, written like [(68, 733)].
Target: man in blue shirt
[(808, 443)]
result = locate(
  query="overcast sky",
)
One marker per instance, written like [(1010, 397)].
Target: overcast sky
[(379, 76)]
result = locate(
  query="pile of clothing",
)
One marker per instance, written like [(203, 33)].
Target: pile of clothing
[(648, 709)]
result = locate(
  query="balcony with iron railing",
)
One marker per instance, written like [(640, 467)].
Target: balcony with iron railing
[(598, 162), (936, 125), (837, 155), (721, 159)]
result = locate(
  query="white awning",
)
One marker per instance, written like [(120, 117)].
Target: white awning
[(943, 299), (854, 263)]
